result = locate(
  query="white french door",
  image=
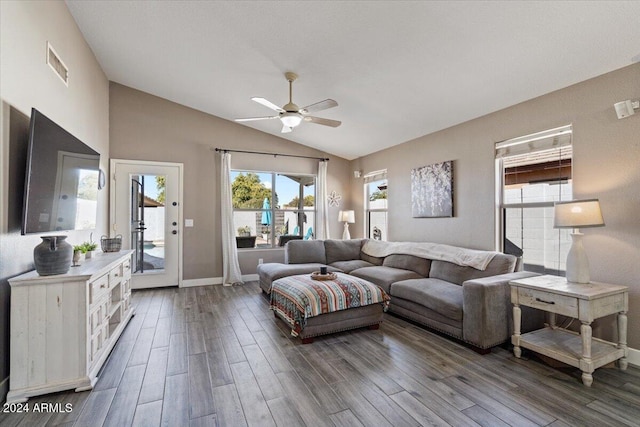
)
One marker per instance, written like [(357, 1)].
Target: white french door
[(146, 210)]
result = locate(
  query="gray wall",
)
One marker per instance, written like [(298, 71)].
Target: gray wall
[(82, 108), (146, 127), (606, 166)]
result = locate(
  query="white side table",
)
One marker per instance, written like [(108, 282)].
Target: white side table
[(585, 302)]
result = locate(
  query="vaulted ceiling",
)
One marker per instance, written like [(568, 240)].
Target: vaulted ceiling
[(398, 70)]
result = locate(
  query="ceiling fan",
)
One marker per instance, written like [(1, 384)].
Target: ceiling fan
[(291, 115)]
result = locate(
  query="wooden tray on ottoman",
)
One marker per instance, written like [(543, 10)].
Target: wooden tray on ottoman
[(316, 275)]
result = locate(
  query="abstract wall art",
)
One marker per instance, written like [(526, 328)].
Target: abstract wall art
[(432, 190)]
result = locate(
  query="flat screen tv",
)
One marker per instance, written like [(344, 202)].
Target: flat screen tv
[(61, 183)]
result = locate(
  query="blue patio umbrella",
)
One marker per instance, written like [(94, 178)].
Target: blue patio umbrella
[(266, 213)]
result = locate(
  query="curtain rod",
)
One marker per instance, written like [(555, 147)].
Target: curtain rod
[(226, 150)]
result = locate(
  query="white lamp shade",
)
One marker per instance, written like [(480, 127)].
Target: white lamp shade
[(577, 214), (347, 216)]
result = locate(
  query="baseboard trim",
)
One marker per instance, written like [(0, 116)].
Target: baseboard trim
[(634, 357), (210, 281), (207, 281), (4, 389)]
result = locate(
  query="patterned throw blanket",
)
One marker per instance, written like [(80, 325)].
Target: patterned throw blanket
[(297, 298)]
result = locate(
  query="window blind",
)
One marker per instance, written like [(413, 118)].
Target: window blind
[(375, 176), (535, 142)]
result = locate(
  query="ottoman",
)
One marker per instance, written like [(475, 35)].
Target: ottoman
[(318, 307)]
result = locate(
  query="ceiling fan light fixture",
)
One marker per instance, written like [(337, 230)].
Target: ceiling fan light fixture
[(290, 119)]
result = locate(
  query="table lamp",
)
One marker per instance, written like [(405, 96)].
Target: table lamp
[(577, 214), (348, 217)]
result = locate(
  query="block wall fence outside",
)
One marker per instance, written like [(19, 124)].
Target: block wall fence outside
[(542, 244)]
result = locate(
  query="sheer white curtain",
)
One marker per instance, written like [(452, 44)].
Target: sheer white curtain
[(230, 267), (323, 204)]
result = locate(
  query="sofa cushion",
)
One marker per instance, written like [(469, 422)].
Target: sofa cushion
[(271, 271), (371, 259), (348, 266), (500, 264), (408, 262), (438, 295), (384, 276), (342, 250), (304, 251)]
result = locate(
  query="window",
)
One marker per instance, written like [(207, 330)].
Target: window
[(535, 172), (271, 208), (375, 190)]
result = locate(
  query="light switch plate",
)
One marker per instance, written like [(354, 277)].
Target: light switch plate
[(188, 223)]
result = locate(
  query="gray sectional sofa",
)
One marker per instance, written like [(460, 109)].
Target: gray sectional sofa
[(425, 286)]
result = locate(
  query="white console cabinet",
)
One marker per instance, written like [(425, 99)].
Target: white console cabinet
[(63, 327)]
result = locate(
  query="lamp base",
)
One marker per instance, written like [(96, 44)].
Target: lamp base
[(345, 233), (577, 262)]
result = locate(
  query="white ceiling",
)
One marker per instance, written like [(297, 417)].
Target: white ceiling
[(399, 70)]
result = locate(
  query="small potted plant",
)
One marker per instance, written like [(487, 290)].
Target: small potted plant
[(244, 239), (89, 247), (244, 231), (78, 250)]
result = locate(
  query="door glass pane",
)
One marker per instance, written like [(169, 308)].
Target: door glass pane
[(148, 222)]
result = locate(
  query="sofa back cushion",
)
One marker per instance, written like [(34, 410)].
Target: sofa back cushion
[(371, 259), (408, 262), (443, 270), (342, 250), (304, 251)]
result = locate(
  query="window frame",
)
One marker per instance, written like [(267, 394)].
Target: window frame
[(273, 209), (369, 179), (559, 138)]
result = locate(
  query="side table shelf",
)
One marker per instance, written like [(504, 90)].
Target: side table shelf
[(585, 302)]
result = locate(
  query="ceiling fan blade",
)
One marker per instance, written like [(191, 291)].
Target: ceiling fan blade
[(268, 104), (321, 121), (319, 106), (286, 129), (252, 119)]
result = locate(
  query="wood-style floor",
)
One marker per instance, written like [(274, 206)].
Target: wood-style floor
[(217, 356)]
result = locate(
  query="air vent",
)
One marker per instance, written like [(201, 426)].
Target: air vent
[(57, 65)]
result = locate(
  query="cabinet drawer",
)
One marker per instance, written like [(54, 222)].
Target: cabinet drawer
[(553, 303), (115, 276), (126, 302), (126, 269), (96, 345), (98, 342), (98, 288), (98, 315), (120, 273)]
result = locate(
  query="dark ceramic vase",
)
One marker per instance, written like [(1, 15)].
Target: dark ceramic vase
[(53, 255)]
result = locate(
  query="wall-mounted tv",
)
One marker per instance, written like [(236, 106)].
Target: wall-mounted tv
[(61, 183)]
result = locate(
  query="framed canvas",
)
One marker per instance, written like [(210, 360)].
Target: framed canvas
[(432, 190)]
